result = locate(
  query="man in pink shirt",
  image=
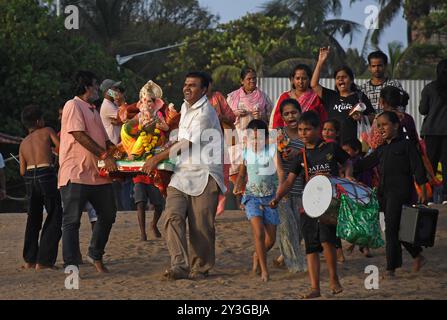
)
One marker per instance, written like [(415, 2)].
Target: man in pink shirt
[(84, 141)]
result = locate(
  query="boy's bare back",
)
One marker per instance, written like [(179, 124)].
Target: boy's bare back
[(36, 149)]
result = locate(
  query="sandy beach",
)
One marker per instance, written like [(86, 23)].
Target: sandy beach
[(136, 268)]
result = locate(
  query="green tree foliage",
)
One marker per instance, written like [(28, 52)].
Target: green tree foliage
[(310, 20), (127, 27), (419, 61), (415, 11), (255, 40), (38, 59), (395, 54), (435, 24), (356, 62)]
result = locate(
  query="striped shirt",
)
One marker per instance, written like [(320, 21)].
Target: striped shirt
[(298, 186), (373, 91)]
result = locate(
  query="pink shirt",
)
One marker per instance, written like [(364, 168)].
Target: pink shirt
[(77, 164)]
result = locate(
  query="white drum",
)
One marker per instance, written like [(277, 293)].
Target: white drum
[(321, 196)]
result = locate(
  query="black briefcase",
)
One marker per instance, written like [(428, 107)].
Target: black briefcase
[(418, 225)]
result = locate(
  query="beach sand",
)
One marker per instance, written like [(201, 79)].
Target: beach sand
[(136, 268)]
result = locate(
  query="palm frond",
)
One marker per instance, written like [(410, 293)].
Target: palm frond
[(342, 27), (275, 8), (386, 15), (283, 67), (226, 73)]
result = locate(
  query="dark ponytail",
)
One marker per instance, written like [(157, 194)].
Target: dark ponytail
[(394, 97)]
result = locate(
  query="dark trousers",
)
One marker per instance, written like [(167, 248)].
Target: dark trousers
[(41, 189), (392, 205), (74, 198), (437, 152)]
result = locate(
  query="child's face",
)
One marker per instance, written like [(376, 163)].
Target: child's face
[(329, 132), (256, 139), (308, 134), (290, 116), (352, 153), (387, 129)]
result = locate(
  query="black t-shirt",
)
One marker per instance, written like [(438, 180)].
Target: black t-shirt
[(338, 107), (323, 159)]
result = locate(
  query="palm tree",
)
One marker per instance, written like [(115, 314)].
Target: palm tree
[(396, 54), (389, 9), (310, 18)]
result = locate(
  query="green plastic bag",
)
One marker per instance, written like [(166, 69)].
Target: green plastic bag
[(359, 223)]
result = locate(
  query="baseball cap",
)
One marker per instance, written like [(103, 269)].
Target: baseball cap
[(109, 83)]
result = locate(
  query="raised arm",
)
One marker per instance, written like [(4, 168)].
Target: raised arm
[(315, 82)]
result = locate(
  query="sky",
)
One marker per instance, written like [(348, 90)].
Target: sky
[(234, 9)]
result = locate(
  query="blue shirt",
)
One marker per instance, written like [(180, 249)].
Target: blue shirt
[(261, 171)]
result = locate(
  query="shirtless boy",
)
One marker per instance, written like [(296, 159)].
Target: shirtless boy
[(36, 167)]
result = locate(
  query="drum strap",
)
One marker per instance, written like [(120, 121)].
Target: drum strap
[(306, 170)]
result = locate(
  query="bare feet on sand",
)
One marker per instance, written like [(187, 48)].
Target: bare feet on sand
[(28, 265), (418, 263), (312, 294), (366, 252), (340, 255), (154, 232), (99, 265), (350, 249), (265, 277), (279, 262), (255, 268), (336, 287), (389, 275), (40, 267)]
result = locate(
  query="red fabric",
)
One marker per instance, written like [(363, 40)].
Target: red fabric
[(315, 106), (142, 178)]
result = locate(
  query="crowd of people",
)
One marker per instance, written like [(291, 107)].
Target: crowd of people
[(360, 133)]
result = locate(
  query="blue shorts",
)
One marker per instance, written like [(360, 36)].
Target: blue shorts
[(259, 207)]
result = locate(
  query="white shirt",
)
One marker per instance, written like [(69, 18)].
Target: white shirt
[(108, 112), (2, 162), (197, 124)]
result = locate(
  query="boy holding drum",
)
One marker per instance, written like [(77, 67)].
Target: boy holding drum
[(319, 157)]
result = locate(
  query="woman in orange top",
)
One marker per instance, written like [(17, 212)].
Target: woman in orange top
[(227, 119)]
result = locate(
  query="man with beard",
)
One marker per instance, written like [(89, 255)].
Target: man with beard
[(84, 141)]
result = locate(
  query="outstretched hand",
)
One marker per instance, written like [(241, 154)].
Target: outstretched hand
[(324, 53)]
